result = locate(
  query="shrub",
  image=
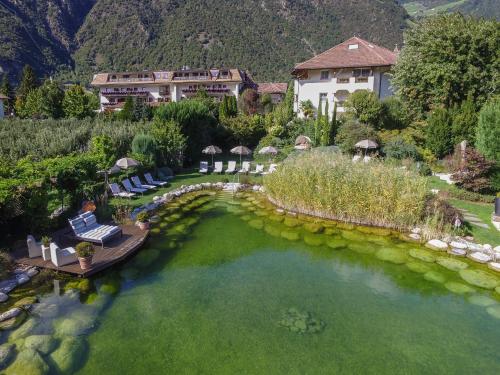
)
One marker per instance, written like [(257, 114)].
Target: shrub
[(170, 141), (399, 149), (351, 132), (84, 249), (425, 170), (46, 241), (439, 139), (328, 184), (142, 217), (244, 130), (488, 130), (145, 144), (365, 106), (474, 173)]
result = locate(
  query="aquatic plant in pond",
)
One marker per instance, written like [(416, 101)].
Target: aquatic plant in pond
[(213, 293), (330, 185)]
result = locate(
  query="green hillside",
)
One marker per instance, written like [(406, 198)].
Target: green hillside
[(267, 37), (478, 8)]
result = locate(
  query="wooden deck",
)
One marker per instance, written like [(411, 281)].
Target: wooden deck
[(114, 251)]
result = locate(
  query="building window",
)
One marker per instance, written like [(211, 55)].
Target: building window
[(361, 72), (353, 46), (325, 74)]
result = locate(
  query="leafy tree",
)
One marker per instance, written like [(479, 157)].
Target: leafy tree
[(394, 114), (52, 97), (127, 112), (446, 58), (6, 89), (366, 107), (266, 103), (307, 108), (474, 174), (104, 150), (245, 130), (249, 102), (438, 133), (170, 141), (77, 103), (145, 145), (465, 122), (488, 130), (142, 111), (32, 106), (351, 132)]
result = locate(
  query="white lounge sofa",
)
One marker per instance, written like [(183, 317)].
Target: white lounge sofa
[(86, 228), (62, 257), (34, 247)]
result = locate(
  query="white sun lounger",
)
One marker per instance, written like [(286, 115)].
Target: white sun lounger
[(62, 257), (138, 184), (203, 166), (245, 167), (218, 167), (152, 181), (86, 228), (231, 167), (272, 168), (128, 186), (115, 190), (259, 168), (34, 248)]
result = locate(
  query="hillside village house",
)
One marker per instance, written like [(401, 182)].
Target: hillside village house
[(348, 67), (157, 87), (2, 99), (276, 90)]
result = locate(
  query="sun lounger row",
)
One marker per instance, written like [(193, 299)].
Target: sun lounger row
[(231, 168), (137, 188), (86, 228)]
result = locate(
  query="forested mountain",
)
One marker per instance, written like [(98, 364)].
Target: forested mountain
[(477, 8), (267, 37)]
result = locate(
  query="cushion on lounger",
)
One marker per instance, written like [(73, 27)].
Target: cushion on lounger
[(86, 214), (78, 225), (90, 221)]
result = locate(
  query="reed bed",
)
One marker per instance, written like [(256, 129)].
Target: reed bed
[(330, 185)]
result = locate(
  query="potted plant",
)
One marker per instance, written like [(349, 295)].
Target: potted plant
[(143, 220), (85, 251), (46, 247)]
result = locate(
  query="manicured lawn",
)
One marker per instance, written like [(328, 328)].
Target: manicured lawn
[(185, 178)]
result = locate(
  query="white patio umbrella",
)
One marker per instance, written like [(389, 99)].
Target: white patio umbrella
[(303, 142), (125, 163), (241, 150), (268, 150), (212, 150), (366, 144)]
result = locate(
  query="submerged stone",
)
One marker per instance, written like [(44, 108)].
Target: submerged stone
[(331, 231), (494, 311), (256, 223), (458, 288), (70, 354), (290, 235), (480, 300), (276, 218), (313, 227), (43, 344), (352, 235), (423, 255), (361, 248), (452, 264), (336, 244), (246, 217), (313, 239), (291, 222), (301, 323), (434, 276), (23, 331), (392, 255), (418, 267), (28, 362), (146, 257), (479, 278), (273, 230), (74, 325), (83, 285), (7, 352)]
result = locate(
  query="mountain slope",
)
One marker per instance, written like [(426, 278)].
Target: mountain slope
[(478, 8), (267, 37)]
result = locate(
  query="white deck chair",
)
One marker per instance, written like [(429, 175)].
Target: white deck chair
[(138, 184), (231, 167), (259, 168), (34, 248), (245, 167), (128, 186), (218, 167), (271, 169), (62, 257), (115, 190), (203, 166), (151, 181)]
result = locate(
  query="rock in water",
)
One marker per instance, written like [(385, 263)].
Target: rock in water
[(6, 354), (452, 264), (301, 323), (3, 297), (12, 313), (392, 255), (437, 245), (28, 362), (43, 344), (68, 356), (479, 278)]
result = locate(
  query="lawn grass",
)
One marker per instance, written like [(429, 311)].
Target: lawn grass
[(185, 178)]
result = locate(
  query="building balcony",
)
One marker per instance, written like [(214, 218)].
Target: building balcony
[(209, 90), (125, 93), (342, 80), (132, 79), (192, 78)]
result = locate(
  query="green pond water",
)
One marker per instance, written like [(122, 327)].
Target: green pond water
[(230, 286)]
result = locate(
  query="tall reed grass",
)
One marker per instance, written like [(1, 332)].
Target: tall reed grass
[(330, 185)]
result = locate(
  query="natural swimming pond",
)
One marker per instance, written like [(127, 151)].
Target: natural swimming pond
[(228, 285)]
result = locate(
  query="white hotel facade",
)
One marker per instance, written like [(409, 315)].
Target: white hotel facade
[(336, 73), (157, 87)]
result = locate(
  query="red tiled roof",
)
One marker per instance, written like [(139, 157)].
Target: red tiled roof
[(272, 88), (367, 54)]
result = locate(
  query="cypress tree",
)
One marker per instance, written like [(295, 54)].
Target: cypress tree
[(28, 83), (334, 126), (223, 108), (317, 124), (127, 112), (439, 138), (325, 127), (6, 89), (465, 122)]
